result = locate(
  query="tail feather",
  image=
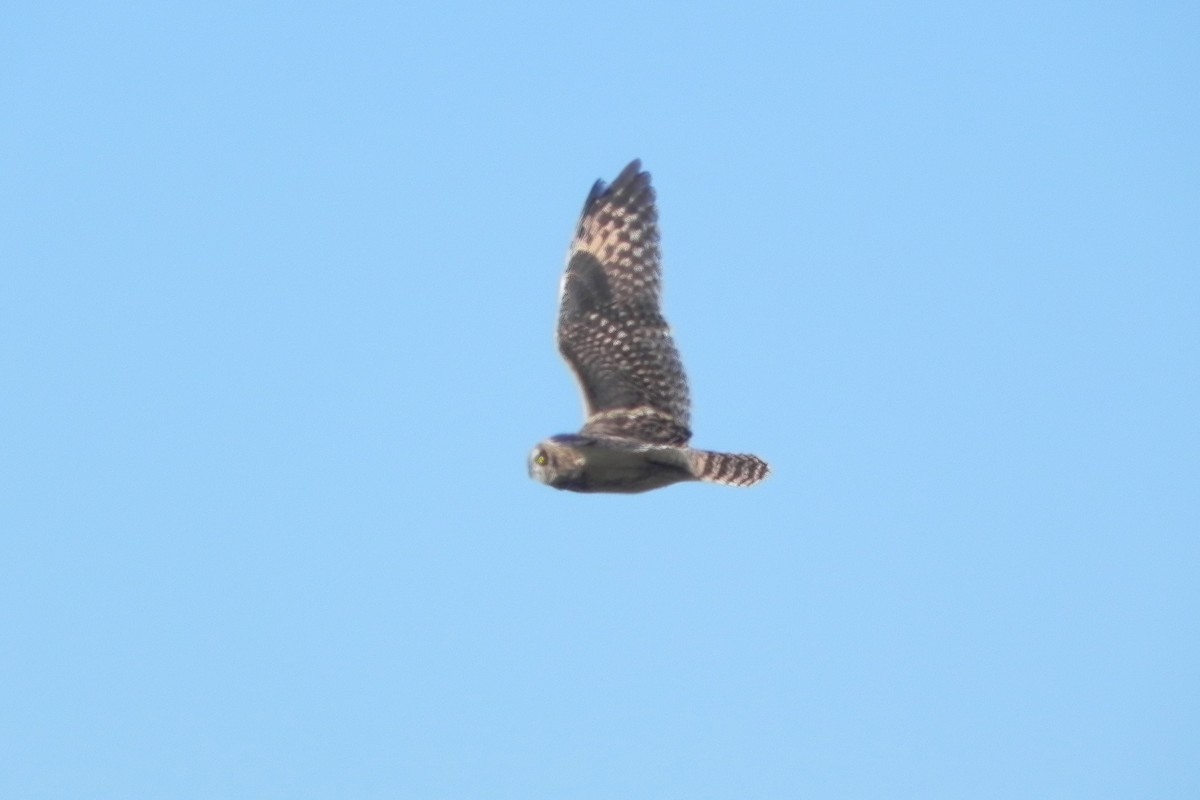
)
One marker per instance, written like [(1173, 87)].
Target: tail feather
[(730, 469)]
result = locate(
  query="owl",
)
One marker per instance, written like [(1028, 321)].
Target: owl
[(613, 336)]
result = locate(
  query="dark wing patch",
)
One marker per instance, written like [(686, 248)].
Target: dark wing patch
[(610, 329), (588, 287)]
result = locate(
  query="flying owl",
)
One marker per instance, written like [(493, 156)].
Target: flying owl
[(613, 336)]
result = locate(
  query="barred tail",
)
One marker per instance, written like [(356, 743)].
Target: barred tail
[(731, 469)]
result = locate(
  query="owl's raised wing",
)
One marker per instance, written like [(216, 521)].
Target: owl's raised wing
[(610, 328)]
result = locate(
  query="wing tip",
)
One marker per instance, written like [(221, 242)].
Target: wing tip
[(632, 175)]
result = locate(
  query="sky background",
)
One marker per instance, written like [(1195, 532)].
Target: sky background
[(278, 284)]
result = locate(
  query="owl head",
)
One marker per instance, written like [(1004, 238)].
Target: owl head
[(557, 464)]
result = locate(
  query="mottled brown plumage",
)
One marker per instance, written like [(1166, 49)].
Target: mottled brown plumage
[(612, 334)]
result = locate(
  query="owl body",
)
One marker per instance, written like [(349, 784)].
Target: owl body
[(613, 336), (607, 464)]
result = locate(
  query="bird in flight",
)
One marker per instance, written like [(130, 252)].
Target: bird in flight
[(613, 336)]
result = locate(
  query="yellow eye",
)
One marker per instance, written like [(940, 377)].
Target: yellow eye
[(540, 459)]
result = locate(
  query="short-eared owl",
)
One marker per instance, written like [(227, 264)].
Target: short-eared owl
[(614, 338)]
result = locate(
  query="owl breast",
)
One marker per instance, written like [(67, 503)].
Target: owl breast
[(612, 466)]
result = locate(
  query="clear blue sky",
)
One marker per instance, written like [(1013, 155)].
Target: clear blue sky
[(276, 329)]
